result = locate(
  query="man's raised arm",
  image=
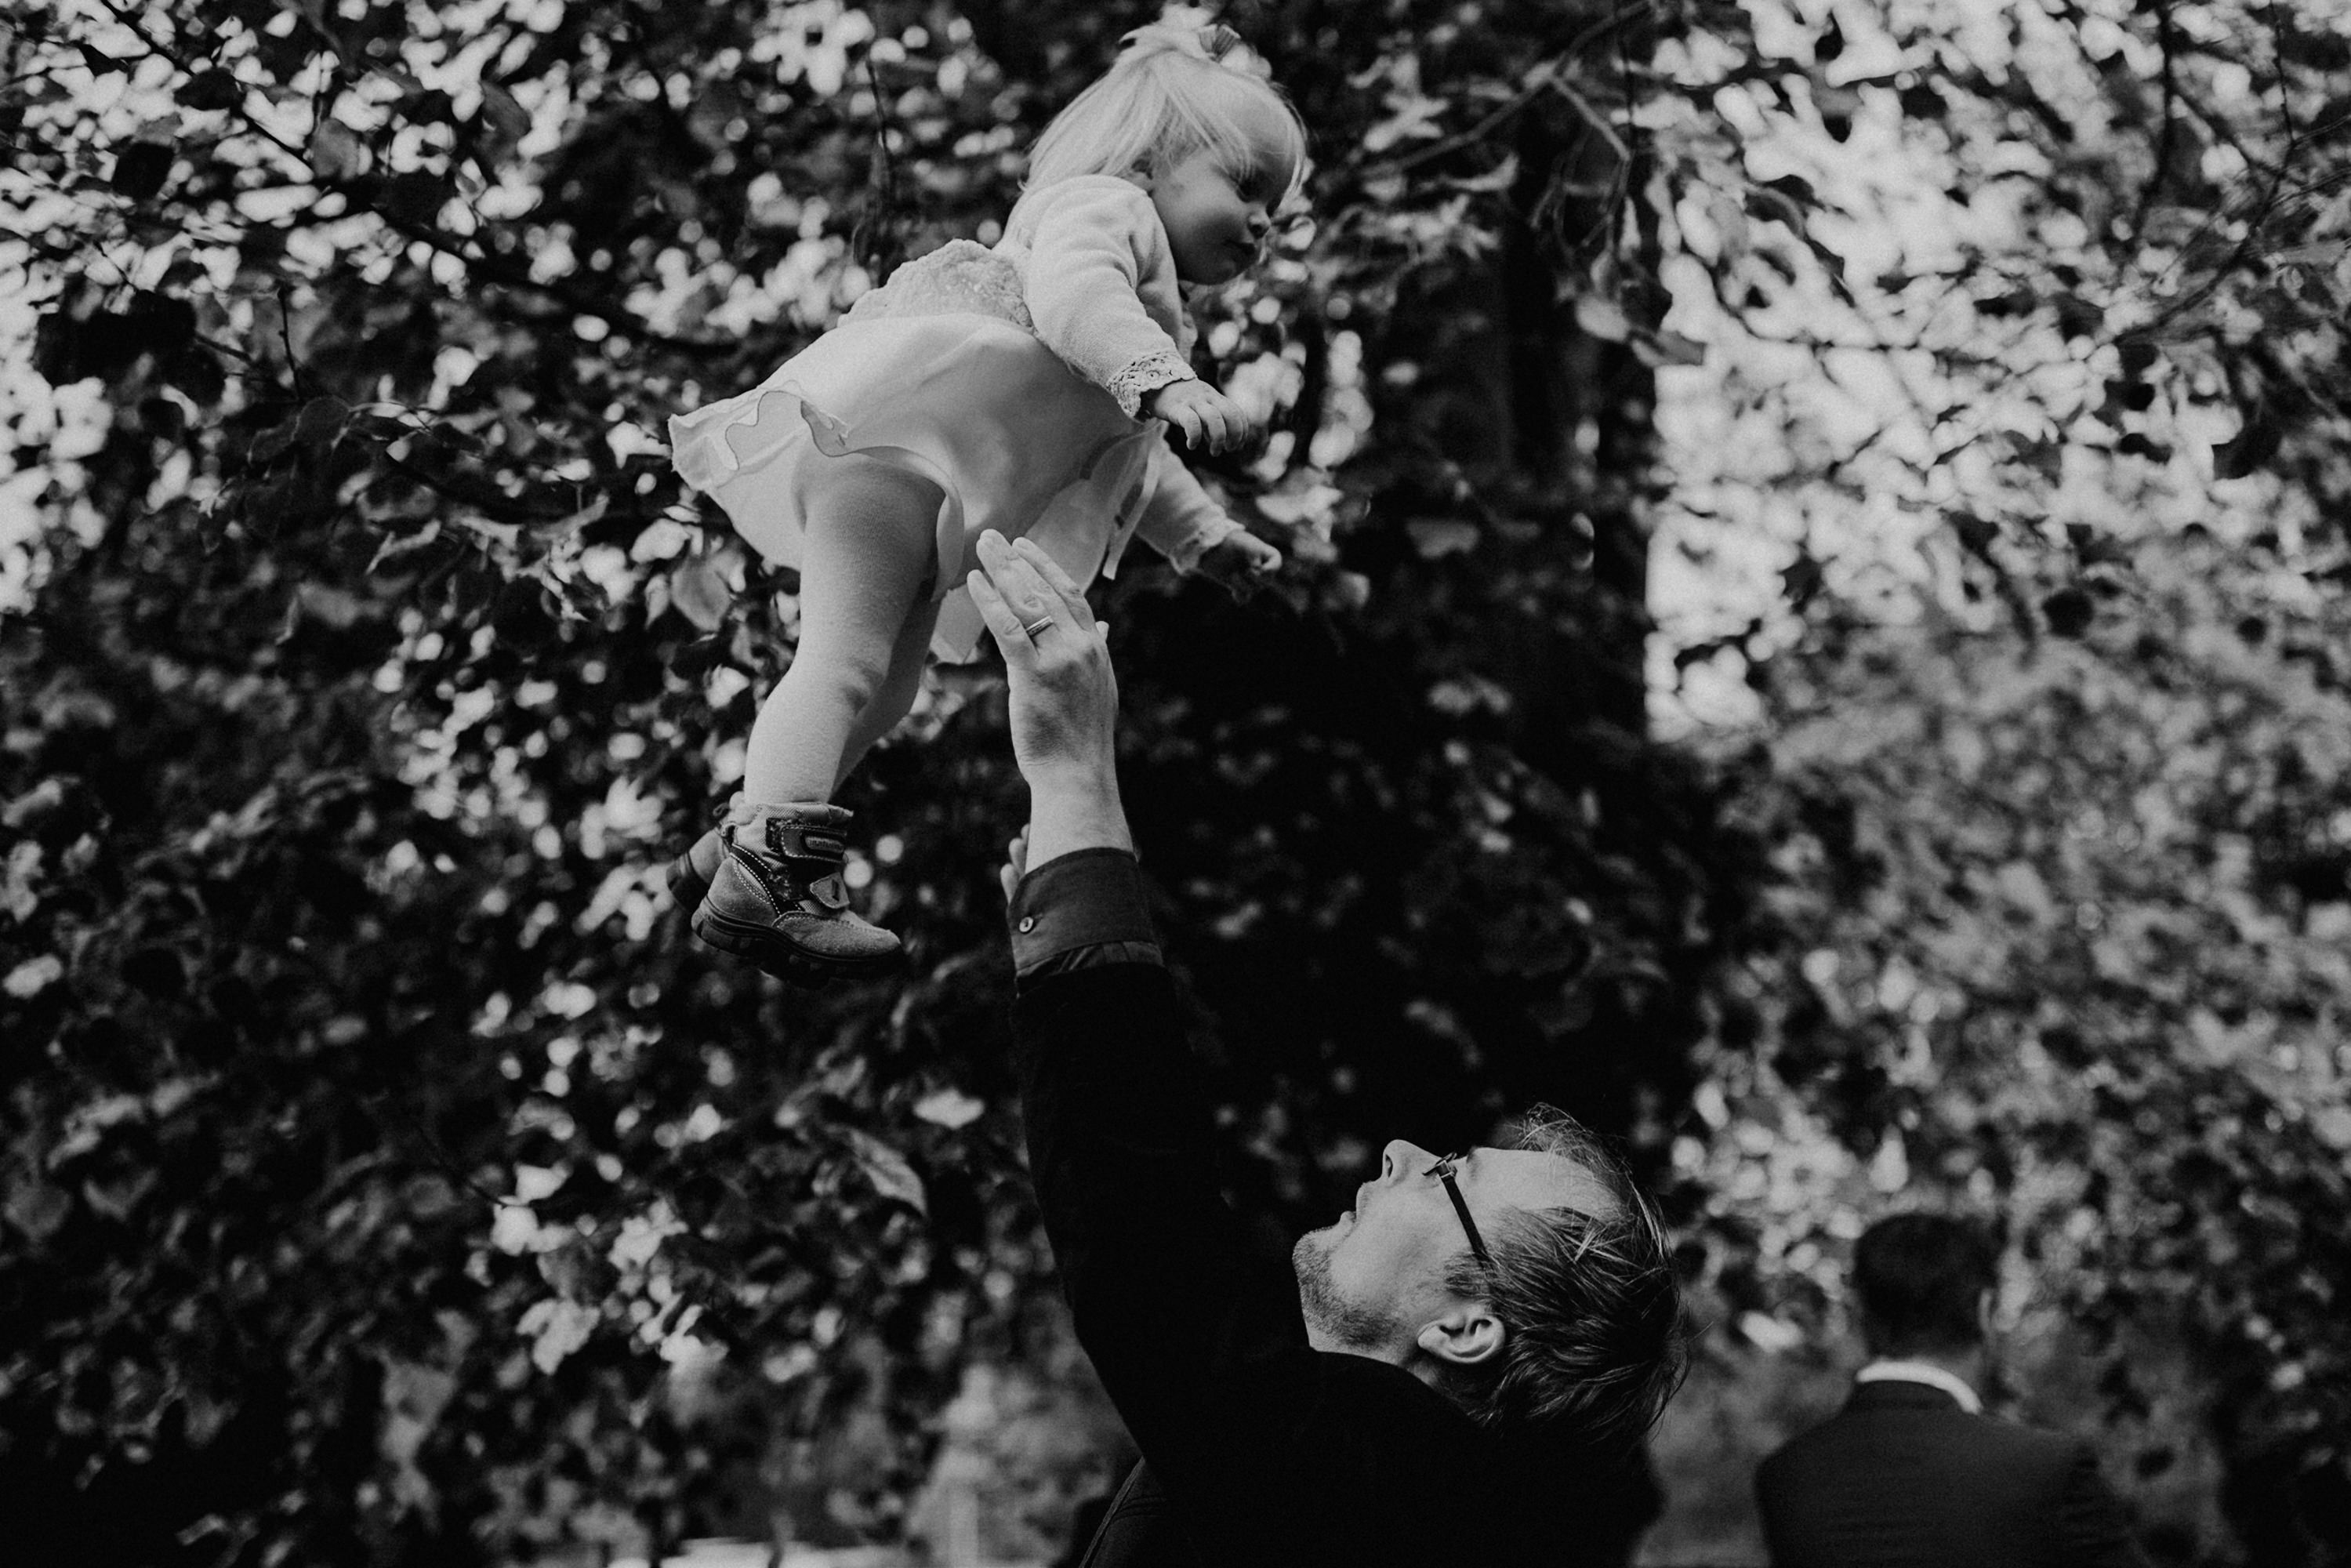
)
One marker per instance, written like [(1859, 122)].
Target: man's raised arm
[(1118, 1125)]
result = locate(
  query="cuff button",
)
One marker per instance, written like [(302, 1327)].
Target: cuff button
[(1028, 924)]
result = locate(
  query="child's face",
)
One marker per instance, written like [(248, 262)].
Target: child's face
[(1215, 226)]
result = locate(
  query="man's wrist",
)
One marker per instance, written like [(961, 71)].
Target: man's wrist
[(1073, 807)]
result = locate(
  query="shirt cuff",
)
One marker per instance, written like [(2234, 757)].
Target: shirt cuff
[(1078, 910)]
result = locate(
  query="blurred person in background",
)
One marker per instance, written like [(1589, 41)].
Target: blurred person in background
[(1912, 1471)]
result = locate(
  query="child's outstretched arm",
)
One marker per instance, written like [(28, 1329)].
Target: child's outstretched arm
[(1183, 522), (1095, 239)]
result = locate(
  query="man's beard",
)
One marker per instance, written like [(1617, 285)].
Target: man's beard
[(1339, 1320)]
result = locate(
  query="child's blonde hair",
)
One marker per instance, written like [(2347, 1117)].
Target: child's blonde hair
[(1179, 86)]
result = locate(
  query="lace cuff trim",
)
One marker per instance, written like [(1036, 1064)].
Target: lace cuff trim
[(1147, 374), (1186, 555)]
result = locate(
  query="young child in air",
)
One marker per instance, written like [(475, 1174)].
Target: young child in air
[(1026, 389)]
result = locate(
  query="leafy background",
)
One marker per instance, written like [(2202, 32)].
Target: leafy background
[(1814, 639)]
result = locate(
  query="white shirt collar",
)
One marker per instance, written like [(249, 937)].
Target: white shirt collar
[(1927, 1373)]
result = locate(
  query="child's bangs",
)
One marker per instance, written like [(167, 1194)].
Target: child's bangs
[(1258, 137)]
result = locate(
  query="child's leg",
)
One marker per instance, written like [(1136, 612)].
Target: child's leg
[(895, 698), (868, 551)]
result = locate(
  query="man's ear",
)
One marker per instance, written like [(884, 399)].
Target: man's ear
[(1468, 1335)]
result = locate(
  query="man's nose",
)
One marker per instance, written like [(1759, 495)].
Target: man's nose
[(1401, 1159)]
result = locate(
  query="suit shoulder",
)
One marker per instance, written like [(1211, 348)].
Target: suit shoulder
[(1823, 1442), (2054, 1457), (2056, 1449)]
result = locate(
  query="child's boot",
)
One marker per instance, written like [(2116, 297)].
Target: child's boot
[(776, 897), (690, 874)]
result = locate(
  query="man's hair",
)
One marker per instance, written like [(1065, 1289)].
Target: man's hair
[(1919, 1278), (1593, 1341)]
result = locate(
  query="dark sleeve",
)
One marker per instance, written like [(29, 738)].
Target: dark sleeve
[(1157, 1274), (1263, 1443), (1767, 1509), (2093, 1528)]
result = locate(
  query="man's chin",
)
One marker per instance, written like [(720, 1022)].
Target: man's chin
[(1338, 1323)]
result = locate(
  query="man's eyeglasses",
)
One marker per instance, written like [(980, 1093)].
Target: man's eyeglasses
[(1443, 1171)]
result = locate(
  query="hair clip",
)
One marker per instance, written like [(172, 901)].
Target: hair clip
[(1219, 40)]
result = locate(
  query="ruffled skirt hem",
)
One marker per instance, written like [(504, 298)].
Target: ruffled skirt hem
[(1014, 439)]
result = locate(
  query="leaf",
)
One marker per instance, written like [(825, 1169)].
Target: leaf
[(211, 90), (558, 1326), (887, 1169), (140, 169), (25, 809), (34, 975), (1924, 101), (1801, 579), (2077, 317), (699, 593), (336, 153), (2243, 457), (397, 545), (2070, 611), (1975, 534), (1603, 319), (99, 63), (1435, 537), (1500, 177), (330, 605), (37, 1208), (1655, 349), (949, 1108), (1794, 187), (415, 198), (322, 421), (160, 416), (503, 122)]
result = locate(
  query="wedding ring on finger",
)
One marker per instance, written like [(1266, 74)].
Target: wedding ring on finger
[(1038, 626)]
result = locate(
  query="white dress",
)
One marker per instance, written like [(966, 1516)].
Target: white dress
[(1012, 378)]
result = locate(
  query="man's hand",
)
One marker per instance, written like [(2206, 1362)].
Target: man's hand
[(1065, 697), (1208, 419), (1241, 561)]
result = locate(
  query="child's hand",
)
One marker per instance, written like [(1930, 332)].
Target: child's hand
[(1207, 417), (1240, 560), (1016, 864)]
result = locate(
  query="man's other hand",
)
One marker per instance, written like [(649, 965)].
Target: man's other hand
[(1065, 697)]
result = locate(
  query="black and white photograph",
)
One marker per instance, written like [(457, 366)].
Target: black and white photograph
[(1107, 784)]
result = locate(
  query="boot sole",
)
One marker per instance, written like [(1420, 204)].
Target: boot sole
[(774, 955)]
